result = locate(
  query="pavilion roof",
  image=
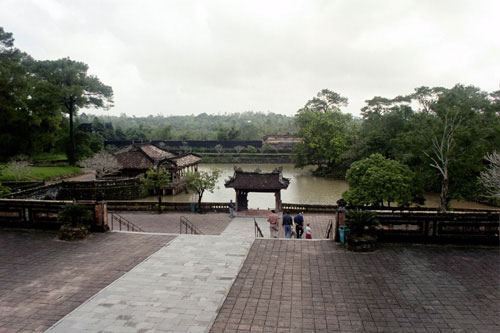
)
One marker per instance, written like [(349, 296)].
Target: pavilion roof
[(147, 156), (134, 159), (156, 153), (258, 181), (186, 160)]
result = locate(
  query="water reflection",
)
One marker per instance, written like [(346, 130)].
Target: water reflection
[(303, 188)]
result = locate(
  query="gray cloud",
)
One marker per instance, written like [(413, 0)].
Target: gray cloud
[(188, 57)]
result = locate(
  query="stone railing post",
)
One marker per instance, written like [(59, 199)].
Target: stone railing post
[(101, 216)]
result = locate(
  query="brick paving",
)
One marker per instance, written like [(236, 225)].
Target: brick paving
[(42, 279), (283, 285), (208, 224), (316, 286)]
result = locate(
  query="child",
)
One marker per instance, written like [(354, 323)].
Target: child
[(308, 231)]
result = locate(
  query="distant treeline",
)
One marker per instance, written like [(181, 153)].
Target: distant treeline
[(247, 126)]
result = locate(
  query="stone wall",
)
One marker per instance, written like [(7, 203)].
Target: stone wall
[(125, 189), (189, 143), (122, 189)]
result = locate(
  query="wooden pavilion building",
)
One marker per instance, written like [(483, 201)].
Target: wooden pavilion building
[(244, 182), (138, 158)]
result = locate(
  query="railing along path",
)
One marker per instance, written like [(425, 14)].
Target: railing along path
[(125, 223), (258, 232), (329, 229), (188, 227)]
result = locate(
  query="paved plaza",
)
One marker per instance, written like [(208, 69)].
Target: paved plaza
[(316, 286), (231, 282), (42, 279), (215, 223), (208, 224), (177, 289)]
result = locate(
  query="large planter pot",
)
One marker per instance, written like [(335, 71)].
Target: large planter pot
[(365, 243), (69, 232)]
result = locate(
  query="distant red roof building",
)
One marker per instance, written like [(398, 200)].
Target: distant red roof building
[(281, 141)]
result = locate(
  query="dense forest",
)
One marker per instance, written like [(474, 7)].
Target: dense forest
[(441, 134), (237, 126)]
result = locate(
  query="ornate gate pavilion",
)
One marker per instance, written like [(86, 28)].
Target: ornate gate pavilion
[(244, 182)]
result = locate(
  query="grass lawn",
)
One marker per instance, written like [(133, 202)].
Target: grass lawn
[(43, 157), (45, 173)]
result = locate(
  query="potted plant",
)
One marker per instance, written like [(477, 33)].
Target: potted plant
[(76, 221), (362, 225)]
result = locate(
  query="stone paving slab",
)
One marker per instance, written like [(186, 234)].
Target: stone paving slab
[(208, 224), (216, 223), (177, 289), (42, 279), (316, 286)]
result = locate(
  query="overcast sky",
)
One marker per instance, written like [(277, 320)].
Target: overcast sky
[(188, 57)]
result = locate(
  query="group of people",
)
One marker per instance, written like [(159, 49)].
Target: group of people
[(292, 226)]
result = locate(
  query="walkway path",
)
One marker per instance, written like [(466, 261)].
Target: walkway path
[(43, 279), (83, 177), (179, 288)]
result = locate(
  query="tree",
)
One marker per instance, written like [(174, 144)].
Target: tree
[(225, 133), (326, 135), (238, 149), (28, 121), (73, 88), (266, 147), (155, 180), (326, 100), (13, 94), (201, 181), (490, 178), (377, 180), (103, 164), (219, 148), (19, 168), (162, 132), (442, 149), (251, 149), (403, 128)]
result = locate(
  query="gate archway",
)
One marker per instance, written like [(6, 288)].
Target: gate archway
[(244, 182)]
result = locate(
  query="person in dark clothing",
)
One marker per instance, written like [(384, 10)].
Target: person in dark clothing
[(287, 224), (299, 224), (231, 208)]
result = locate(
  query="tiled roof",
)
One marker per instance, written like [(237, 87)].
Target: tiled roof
[(146, 156), (133, 160), (258, 181), (156, 153), (186, 160)]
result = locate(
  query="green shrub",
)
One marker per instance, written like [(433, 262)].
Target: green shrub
[(75, 215), (251, 149), (359, 221)]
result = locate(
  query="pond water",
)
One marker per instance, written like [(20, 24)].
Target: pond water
[(304, 188)]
